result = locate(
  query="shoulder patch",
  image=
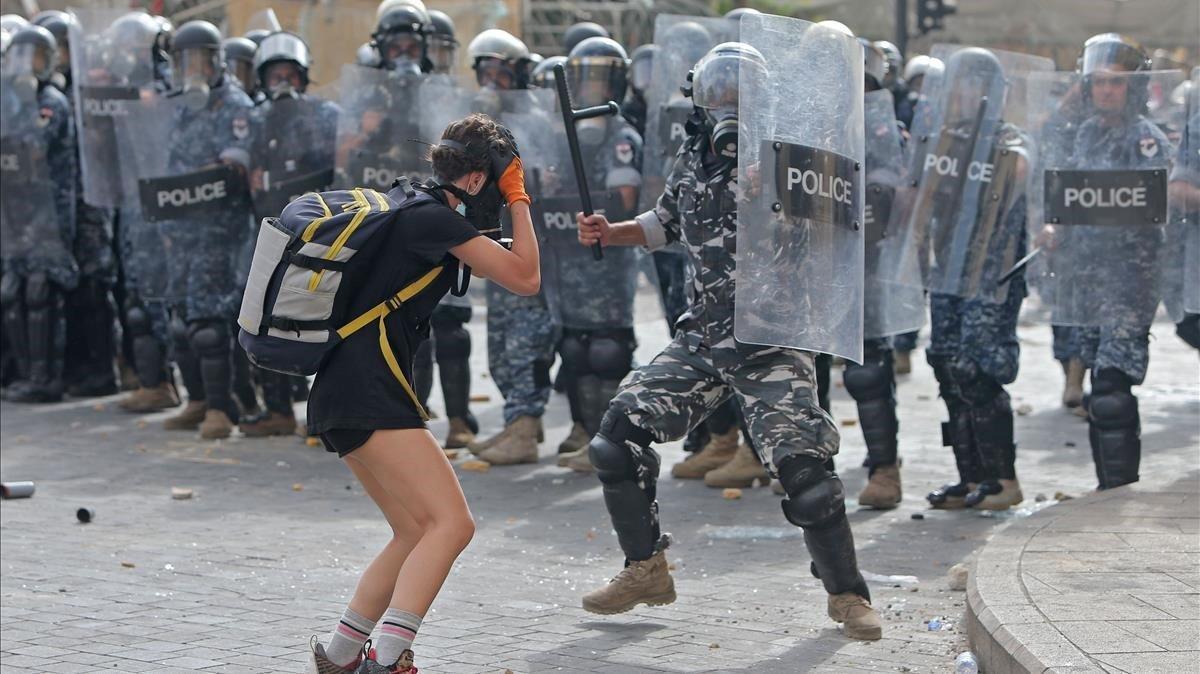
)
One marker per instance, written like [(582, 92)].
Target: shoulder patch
[(45, 114), (1148, 146), (623, 151), (241, 127)]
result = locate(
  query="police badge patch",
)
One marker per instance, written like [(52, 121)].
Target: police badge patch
[(241, 128), (624, 153), (1148, 147)]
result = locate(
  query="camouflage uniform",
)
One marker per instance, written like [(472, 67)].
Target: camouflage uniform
[(704, 366), (34, 284), (520, 337)]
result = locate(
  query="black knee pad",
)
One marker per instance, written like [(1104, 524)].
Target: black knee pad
[(37, 291), (178, 331), (137, 321), (613, 460), (1112, 405), (610, 357), (210, 339), (1189, 330), (815, 496), (452, 341), (974, 385), (445, 315), (870, 381), (11, 288), (573, 348), (610, 453)]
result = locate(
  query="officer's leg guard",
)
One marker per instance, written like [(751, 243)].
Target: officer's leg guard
[(1189, 330), (989, 418), (212, 343), (244, 386), (873, 387), (277, 392), (186, 360), (96, 324), (573, 350), (453, 351), (816, 502), (148, 357), (1114, 428), (956, 434), (12, 303), (609, 359), (628, 470), (423, 372), (46, 327)]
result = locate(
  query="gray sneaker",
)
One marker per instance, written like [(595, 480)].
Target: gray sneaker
[(319, 663)]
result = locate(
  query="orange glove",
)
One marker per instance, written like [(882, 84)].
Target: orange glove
[(512, 183)]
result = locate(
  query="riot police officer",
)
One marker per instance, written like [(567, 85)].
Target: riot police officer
[(704, 364), (38, 226), (641, 67), (520, 329), (90, 308), (239, 62), (400, 39), (442, 45)]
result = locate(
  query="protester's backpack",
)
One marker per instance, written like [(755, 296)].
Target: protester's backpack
[(294, 310)]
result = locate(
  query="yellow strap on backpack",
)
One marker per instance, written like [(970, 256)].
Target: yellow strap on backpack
[(378, 313)]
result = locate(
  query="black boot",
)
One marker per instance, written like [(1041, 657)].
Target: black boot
[(1114, 428), (46, 335), (992, 430), (956, 434)]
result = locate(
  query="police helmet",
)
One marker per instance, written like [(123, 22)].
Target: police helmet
[(641, 68), (134, 46), (496, 54), (895, 60), (1113, 52), (917, 66), (33, 52), (597, 70), (581, 31), (196, 47), (441, 42), (282, 47), (59, 24), (239, 58), (11, 23), (256, 36), (543, 73), (714, 80), (399, 37), (389, 4), (973, 74), (875, 65)]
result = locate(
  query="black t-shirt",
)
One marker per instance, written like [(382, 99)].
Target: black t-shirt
[(355, 389)]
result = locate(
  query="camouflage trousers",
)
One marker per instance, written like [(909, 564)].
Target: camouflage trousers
[(1119, 347), (776, 389), (520, 351), (981, 331)]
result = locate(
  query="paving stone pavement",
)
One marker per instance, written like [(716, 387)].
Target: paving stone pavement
[(1106, 583), (266, 553)]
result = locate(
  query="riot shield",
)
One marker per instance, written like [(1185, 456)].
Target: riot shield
[(682, 41), (582, 293), (379, 128), (188, 194), (1098, 195), (1181, 273), (29, 222), (292, 152), (800, 216), (964, 222), (110, 65), (894, 301), (443, 100)]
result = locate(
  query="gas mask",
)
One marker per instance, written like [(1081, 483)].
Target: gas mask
[(197, 72), (283, 90), (722, 126)]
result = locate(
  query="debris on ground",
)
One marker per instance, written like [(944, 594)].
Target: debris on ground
[(297, 487), (451, 454), (481, 398), (1024, 409), (181, 493), (85, 515), (957, 577), (312, 441), (918, 516), (17, 489), (1060, 496), (475, 466), (849, 422), (731, 494), (128, 565)]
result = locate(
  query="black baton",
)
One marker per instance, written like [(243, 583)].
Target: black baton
[(570, 116), (1021, 264)]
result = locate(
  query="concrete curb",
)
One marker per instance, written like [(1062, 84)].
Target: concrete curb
[(1006, 630)]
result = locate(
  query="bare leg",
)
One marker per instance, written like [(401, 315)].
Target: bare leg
[(414, 472)]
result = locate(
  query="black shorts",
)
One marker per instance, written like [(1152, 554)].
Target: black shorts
[(345, 440)]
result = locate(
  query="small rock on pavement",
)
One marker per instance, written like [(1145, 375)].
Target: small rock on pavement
[(181, 493), (1059, 496), (731, 494), (957, 577), (714, 646), (1024, 409), (918, 516), (128, 565), (849, 422), (297, 487), (312, 442), (475, 466), (1039, 498)]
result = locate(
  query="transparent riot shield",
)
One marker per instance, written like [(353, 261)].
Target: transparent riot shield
[(292, 151), (30, 229), (682, 41), (965, 217), (111, 63), (186, 172), (443, 99), (582, 293), (1181, 272), (379, 131), (800, 216), (894, 301), (1098, 195)]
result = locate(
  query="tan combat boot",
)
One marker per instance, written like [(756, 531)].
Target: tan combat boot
[(188, 419), (577, 439), (579, 461), (216, 425), (273, 423), (882, 490), (459, 435), (1009, 496), (646, 582), (859, 620), (144, 400), (718, 452), (1074, 370), (902, 362), (478, 446), (519, 446), (742, 471)]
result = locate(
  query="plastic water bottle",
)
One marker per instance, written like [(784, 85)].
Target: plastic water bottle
[(966, 663)]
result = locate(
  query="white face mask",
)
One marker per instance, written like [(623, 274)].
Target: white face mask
[(461, 209)]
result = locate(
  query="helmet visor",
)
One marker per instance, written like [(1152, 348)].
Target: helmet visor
[(595, 80), (715, 82), (442, 54), (282, 47), (640, 73), (195, 65)]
